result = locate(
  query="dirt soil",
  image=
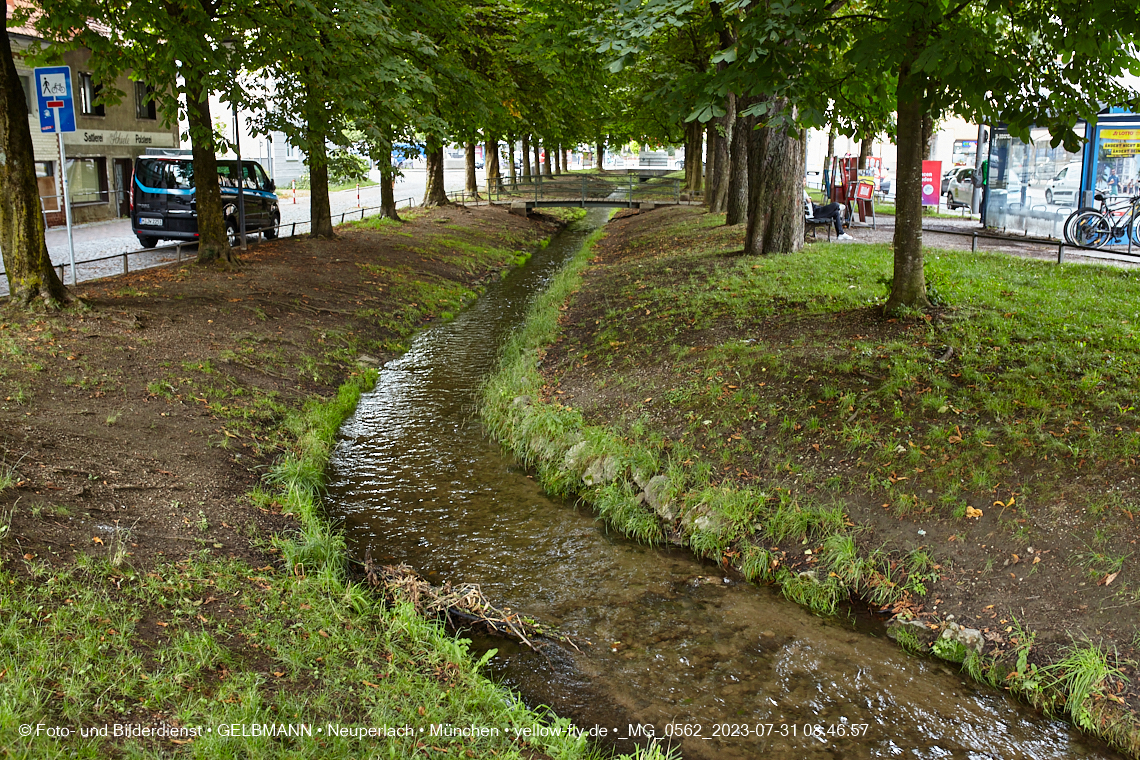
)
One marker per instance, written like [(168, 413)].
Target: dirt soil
[(157, 406), (993, 576)]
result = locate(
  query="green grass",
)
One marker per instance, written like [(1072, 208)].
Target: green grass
[(763, 389)]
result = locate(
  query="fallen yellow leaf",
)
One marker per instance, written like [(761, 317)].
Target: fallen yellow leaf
[(97, 540), (971, 512)]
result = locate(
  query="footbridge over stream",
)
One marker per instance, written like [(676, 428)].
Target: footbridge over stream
[(639, 191)]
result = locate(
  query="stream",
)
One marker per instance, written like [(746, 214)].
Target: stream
[(728, 669)]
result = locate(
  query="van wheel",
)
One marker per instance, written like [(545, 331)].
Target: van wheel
[(1049, 197), (146, 241), (272, 231), (232, 234)]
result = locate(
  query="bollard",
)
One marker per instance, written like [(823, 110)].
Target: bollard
[(974, 243), (1061, 253), (293, 233), (342, 217), (294, 186), (124, 263), (60, 268), (178, 250), (358, 195), (362, 213)]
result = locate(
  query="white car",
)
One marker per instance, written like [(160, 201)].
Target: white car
[(1065, 186), (958, 187)]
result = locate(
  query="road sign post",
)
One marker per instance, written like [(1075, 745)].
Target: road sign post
[(57, 115)]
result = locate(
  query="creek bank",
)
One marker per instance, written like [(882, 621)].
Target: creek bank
[(154, 575), (712, 400)]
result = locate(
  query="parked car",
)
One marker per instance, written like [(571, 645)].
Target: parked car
[(959, 187), (163, 205), (1065, 187)]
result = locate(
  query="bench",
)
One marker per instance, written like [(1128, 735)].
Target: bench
[(811, 223)]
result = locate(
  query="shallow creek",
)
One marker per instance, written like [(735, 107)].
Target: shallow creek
[(675, 642)]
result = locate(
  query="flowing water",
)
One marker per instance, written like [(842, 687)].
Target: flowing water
[(676, 645)]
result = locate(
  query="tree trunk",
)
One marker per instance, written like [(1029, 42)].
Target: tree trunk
[(565, 159), (388, 195), (557, 159), (434, 192), (721, 167), (525, 150), (601, 156), (694, 137), (537, 159), (213, 242), (31, 278), (491, 162), (546, 160), (511, 159), (927, 136), (865, 151), (775, 198), (736, 194), (908, 287), (471, 184)]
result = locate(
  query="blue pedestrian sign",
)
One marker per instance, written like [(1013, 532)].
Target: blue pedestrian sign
[(57, 108)]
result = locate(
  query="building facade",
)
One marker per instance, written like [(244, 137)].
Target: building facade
[(101, 152)]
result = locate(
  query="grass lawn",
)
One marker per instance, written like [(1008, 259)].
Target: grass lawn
[(979, 459)]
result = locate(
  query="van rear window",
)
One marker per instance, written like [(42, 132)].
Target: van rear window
[(168, 175)]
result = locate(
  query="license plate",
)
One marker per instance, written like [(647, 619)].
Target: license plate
[(149, 222)]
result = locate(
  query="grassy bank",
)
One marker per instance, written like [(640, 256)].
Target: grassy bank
[(172, 572), (974, 464)]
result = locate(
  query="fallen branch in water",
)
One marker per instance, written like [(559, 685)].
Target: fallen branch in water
[(465, 601)]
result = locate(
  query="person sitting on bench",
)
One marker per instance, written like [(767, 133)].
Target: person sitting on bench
[(831, 212)]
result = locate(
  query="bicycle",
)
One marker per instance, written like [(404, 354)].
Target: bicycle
[(1093, 228)]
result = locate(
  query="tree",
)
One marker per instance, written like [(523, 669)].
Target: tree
[(31, 278), (327, 61), (178, 49), (1026, 62)]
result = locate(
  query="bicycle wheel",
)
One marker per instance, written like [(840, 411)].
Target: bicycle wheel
[(1067, 229), (1089, 229)]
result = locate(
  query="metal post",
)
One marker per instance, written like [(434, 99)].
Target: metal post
[(293, 185), (124, 265), (537, 184), (974, 242), (342, 217), (240, 181), (60, 268), (1061, 253), (66, 206), (293, 232), (178, 250)]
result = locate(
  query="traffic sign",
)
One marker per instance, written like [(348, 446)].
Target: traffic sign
[(56, 106)]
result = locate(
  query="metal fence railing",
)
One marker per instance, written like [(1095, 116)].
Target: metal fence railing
[(173, 253)]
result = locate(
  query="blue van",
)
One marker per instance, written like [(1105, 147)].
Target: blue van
[(163, 205)]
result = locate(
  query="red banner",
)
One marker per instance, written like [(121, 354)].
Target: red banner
[(931, 183)]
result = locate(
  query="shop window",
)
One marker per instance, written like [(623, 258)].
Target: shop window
[(87, 180), (144, 102), (89, 93)]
